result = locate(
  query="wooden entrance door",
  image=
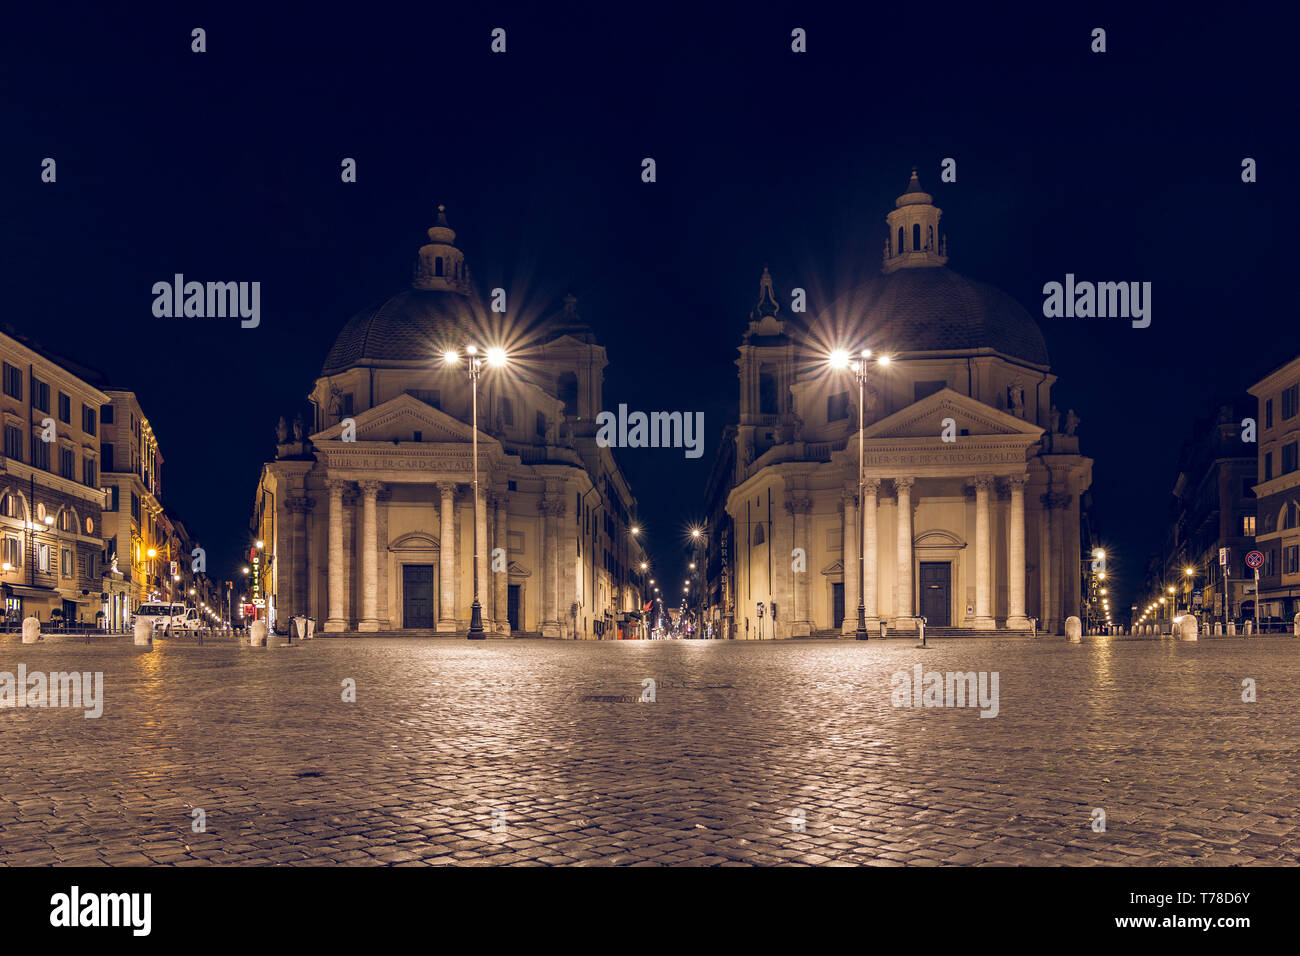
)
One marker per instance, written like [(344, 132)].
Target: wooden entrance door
[(417, 595), (935, 582)]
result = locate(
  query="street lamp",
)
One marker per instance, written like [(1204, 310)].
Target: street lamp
[(495, 357), (841, 360)]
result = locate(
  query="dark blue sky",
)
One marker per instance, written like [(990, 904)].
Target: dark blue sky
[(225, 165)]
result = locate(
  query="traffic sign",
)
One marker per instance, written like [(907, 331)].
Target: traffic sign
[(1223, 556), (1255, 559)]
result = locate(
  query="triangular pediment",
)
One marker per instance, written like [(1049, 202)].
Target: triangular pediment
[(399, 418), (926, 419)]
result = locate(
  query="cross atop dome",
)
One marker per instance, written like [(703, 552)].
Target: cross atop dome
[(440, 266), (913, 241)]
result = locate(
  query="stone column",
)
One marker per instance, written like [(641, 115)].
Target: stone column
[(501, 579), (481, 559), (850, 562), (870, 545), (550, 568), (983, 619), (799, 506), (1071, 545), (1044, 564), (369, 556), (903, 617), (1016, 619), (337, 620), (565, 553), (447, 556)]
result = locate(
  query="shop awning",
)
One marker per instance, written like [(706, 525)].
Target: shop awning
[(23, 591)]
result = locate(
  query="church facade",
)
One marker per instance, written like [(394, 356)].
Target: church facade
[(367, 514), (968, 509)]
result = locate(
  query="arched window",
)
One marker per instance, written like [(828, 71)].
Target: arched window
[(900, 241), (437, 266), (566, 390), (767, 399), (916, 236), (9, 506), (759, 536), (929, 238)]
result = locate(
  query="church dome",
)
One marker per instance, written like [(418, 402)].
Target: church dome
[(413, 326), (937, 310), (417, 325)]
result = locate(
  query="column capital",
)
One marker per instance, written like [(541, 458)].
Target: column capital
[(337, 486), (870, 486), (798, 504), (446, 488), (298, 505), (1016, 483), (1055, 500), (983, 482), (849, 496), (904, 484), (370, 488)]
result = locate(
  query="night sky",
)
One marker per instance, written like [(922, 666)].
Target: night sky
[(1123, 166)]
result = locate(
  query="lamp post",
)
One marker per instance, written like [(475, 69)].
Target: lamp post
[(496, 357), (840, 360)]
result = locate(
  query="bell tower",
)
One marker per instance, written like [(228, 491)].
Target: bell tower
[(914, 241)]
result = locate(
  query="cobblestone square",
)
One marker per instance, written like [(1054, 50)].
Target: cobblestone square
[(541, 752)]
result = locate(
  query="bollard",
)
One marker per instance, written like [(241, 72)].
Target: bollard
[(1187, 628), (1248, 628), (300, 625), (884, 629), (257, 633), (143, 632), (1232, 628), (1074, 629), (1295, 629), (1218, 628), (31, 630)]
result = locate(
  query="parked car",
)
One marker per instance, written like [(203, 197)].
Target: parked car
[(170, 617)]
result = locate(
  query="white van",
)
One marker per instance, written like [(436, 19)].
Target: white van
[(167, 617)]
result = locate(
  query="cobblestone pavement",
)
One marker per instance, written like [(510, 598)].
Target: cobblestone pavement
[(531, 752)]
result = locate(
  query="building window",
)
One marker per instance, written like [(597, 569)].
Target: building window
[(106, 414), (135, 506), (1270, 563), (541, 425), (9, 506), (437, 265), (1289, 461), (566, 389), (40, 394), (13, 553), (40, 453), (106, 454), (1291, 559), (110, 498), (43, 557), (1268, 413), (65, 409), (916, 237), (837, 407), (1268, 465), (13, 442), (507, 412), (767, 400), (89, 420), (1248, 526), (65, 563), (1289, 398), (899, 250), (512, 486), (13, 382), (66, 522), (67, 463)]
